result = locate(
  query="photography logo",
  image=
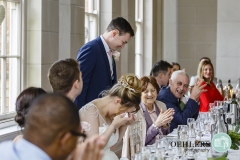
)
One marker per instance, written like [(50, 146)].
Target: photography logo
[(221, 142)]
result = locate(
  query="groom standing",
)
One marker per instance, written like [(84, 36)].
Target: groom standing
[(97, 60)]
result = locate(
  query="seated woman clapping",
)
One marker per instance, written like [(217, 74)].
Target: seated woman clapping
[(153, 115)]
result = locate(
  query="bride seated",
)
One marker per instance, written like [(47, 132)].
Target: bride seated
[(110, 115)]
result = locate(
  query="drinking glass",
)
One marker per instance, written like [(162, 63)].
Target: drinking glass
[(211, 107), (220, 104), (216, 104), (199, 128), (191, 132), (172, 152), (146, 151), (162, 144), (202, 115), (189, 121), (182, 132)]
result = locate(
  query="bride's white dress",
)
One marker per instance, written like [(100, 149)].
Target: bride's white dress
[(108, 154), (90, 114)]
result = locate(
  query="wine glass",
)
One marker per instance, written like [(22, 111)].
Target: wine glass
[(146, 151), (216, 104), (189, 121), (220, 104), (162, 144), (172, 152), (182, 132), (211, 107)]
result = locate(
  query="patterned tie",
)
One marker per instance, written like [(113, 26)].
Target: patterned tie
[(110, 53)]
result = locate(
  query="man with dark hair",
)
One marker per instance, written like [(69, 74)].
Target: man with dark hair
[(51, 131), (162, 72), (66, 78), (205, 58), (97, 60)]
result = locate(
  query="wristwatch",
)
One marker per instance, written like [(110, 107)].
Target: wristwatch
[(155, 126), (159, 129)]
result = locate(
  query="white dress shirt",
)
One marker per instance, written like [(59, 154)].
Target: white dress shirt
[(107, 49)]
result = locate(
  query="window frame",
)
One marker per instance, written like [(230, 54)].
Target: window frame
[(91, 19), (7, 118)]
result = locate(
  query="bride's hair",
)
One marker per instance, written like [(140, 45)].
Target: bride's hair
[(129, 89)]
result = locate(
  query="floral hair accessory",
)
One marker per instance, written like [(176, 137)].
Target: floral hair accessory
[(85, 126), (116, 55), (126, 85)]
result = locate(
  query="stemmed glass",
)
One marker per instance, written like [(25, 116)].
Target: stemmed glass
[(162, 144), (145, 153), (189, 121), (172, 152), (199, 128), (211, 107), (220, 104), (182, 132)]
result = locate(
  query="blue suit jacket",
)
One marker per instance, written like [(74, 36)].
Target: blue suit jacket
[(191, 108), (95, 69)]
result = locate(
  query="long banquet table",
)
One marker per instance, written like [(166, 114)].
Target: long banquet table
[(232, 154)]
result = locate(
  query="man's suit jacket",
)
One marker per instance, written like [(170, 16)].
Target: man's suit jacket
[(190, 110), (95, 69)]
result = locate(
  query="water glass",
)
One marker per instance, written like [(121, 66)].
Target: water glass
[(220, 104), (211, 107), (216, 104), (182, 132), (162, 144), (199, 128), (172, 152), (146, 152), (189, 121), (191, 132)]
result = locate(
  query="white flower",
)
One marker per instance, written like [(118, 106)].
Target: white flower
[(85, 126), (116, 55)]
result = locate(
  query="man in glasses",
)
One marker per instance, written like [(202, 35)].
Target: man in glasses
[(51, 132), (178, 86)]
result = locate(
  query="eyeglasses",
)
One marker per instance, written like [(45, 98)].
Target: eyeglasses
[(81, 136)]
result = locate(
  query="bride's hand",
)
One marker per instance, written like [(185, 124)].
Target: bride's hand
[(133, 118), (121, 120)]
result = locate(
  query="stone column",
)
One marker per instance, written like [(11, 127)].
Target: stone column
[(42, 39), (228, 41), (55, 29), (170, 32)]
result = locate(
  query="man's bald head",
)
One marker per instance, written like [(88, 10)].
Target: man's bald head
[(49, 115)]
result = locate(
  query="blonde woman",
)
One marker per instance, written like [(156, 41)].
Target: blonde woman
[(206, 72), (110, 115)]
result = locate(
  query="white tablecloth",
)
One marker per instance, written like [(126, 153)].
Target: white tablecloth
[(232, 154)]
